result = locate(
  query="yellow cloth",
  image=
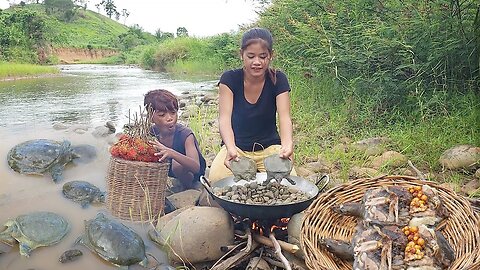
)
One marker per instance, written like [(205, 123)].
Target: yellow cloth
[(218, 170)]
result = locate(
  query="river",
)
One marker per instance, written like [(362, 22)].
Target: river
[(83, 96)]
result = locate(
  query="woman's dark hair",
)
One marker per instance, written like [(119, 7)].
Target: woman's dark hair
[(161, 100), (263, 36)]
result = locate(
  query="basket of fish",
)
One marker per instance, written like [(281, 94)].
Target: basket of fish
[(391, 222)]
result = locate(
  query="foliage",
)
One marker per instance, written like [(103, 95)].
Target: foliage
[(62, 9), (22, 32), (161, 36), (392, 57), (182, 32)]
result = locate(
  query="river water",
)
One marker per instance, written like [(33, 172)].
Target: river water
[(83, 96)]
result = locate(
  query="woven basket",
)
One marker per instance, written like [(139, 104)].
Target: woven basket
[(461, 228), (136, 189)]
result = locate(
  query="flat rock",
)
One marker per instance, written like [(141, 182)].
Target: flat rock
[(460, 157), (390, 159)]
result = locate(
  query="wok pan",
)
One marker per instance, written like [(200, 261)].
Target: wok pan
[(256, 211)]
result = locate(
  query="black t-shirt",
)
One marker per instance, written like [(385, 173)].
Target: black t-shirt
[(255, 125)]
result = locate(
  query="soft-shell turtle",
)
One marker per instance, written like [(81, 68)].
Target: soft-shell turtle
[(83, 192), (244, 169), (43, 156), (278, 168), (114, 242), (34, 230)]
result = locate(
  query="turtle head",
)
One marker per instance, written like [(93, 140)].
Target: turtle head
[(101, 197)]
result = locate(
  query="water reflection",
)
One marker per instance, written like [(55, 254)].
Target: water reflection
[(85, 95)]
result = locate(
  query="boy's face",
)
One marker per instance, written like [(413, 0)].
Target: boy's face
[(165, 121)]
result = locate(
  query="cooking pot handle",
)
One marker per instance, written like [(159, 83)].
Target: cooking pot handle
[(206, 184), (327, 180)]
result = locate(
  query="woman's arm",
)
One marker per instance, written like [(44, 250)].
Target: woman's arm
[(190, 161), (286, 127), (225, 109)]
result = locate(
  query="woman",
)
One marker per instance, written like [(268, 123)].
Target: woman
[(249, 99)]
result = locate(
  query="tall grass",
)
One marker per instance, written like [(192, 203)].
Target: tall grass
[(9, 70)]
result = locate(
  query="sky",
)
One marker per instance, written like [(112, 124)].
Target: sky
[(200, 17)]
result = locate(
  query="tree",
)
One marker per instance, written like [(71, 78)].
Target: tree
[(182, 32), (125, 15), (161, 36), (109, 7)]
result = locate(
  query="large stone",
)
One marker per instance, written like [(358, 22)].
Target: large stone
[(320, 166), (362, 172), (197, 234), (460, 157), (294, 230), (390, 159), (185, 198), (363, 145)]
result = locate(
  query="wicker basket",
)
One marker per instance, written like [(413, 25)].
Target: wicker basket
[(136, 189), (461, 228)]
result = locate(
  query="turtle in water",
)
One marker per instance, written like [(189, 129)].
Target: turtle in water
[(114, 242), (244, 169), (83, 192), (46, 156), (34, 230), (278, 168)]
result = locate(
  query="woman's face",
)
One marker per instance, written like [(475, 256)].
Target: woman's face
[(256, 59), (165, 121)]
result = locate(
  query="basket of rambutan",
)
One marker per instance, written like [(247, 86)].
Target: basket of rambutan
[(136, 181)]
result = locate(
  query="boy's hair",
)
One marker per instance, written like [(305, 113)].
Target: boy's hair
[(161, 100)]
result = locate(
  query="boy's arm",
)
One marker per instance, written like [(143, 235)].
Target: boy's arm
[(190, 161), (286, 127)]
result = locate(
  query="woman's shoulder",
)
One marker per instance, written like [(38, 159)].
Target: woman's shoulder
[(232, 73)]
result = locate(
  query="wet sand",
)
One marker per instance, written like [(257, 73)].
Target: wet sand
[(21, 194)]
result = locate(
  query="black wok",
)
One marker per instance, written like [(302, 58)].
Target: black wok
[(256, 211)]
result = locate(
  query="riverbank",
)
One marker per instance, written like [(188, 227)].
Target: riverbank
[(14, 71)]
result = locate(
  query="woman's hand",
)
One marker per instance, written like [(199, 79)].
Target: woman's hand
[(163, 152), (286, 151), (231, 155)]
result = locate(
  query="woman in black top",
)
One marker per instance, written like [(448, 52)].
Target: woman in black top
[(249, 100)]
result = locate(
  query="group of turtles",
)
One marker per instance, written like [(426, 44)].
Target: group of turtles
[(108, 238)]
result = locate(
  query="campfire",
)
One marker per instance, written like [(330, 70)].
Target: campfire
[(258, 244)]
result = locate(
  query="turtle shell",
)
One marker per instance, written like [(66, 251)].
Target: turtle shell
[(113, 241), (83, 192), (36, 229), (40, 156)]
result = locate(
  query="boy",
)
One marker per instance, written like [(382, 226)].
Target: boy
[(174, 141)]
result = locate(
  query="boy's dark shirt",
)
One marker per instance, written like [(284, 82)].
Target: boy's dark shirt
[(255, 125), (179, 138)]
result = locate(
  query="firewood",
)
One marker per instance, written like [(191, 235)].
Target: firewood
[(278, 251), (284, 245), (235, 259)]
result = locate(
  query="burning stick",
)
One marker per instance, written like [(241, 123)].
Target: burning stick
[(278, 251), (284, 245)]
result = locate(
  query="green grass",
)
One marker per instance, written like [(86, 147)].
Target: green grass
[(12, 70)]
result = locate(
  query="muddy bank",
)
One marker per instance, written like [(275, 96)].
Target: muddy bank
[(75, 55)]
